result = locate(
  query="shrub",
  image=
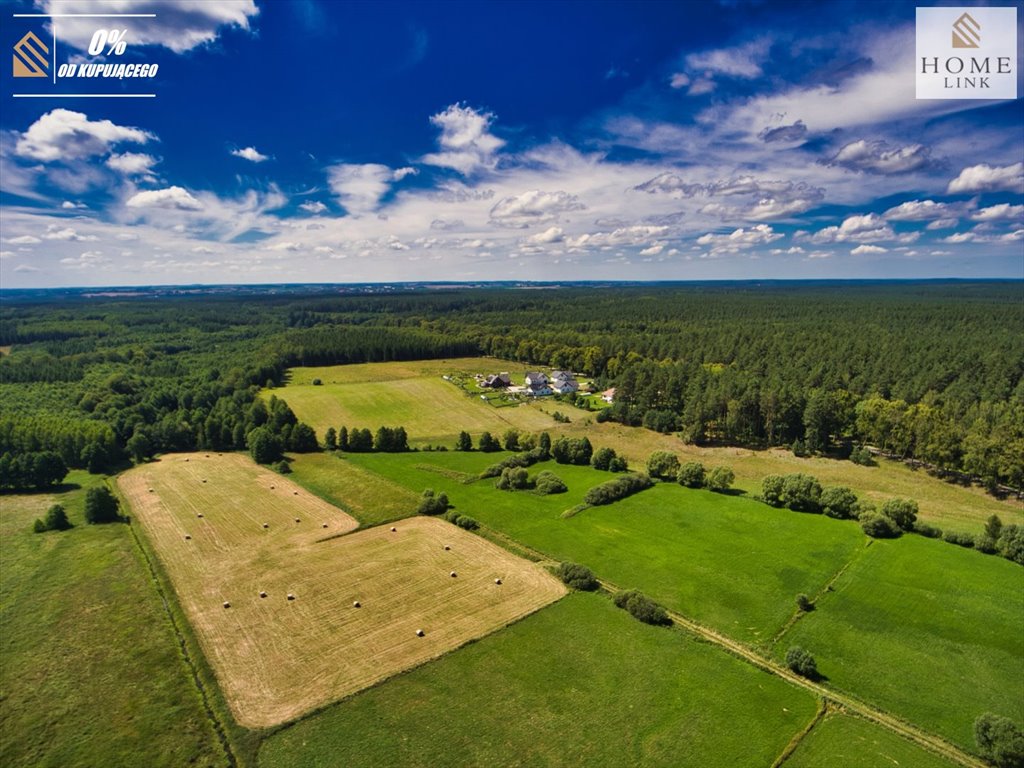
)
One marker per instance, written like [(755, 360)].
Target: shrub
[(101, 506), (771, 490), (862, 456), (993, 527), (548, 483), (282, 467), (464, 443), (39, 526), (691, 474), (838, 502), (616, 489), (577, 577), (1011, 543), (331, 439), (513, 479), (799, 449), (602, 458), (663, 465), (802, 662), (958, 538), (527, 459), (618, 464), (983, 543), (1000, 741), (57, 519), (803, 602), (642, 607), (928, 531), (801, 493), (720, 479), (511, 440), (431, 504), (317, 382), (903, 512), (467, 522), (572, 451), (879, 526)]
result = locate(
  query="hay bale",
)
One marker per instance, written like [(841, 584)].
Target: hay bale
[(295, 493), (271, 487), (357, 604), (497, 581), (187, 537), (207, 455), (297, 520), (454, 574), (419, 633), (186, 461), (262, 593), (150, 490), (227, 604), (204, 481), (446, 548), (266, 525), (393, 529), (325, 525), (291, 596), (199, 514)]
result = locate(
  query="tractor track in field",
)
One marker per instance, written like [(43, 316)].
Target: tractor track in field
[(842, 701)]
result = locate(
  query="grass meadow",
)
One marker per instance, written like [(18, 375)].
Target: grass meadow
[(92, 673), (840, 741), (433, 411), (578, 683), (729, 562), (926, 630)]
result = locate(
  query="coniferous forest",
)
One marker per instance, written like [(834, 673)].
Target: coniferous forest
[(932, 371)]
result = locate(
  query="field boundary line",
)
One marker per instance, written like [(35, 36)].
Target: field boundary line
[(791, 747), (826, 589), (186, 655), (933, 743)]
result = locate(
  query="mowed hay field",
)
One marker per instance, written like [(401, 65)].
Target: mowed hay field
[(277, 658), (410, 395), (841, 741)]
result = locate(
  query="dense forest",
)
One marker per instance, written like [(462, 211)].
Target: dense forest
[(932, 371)]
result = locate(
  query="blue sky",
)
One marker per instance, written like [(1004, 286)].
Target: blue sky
[(333, 141)]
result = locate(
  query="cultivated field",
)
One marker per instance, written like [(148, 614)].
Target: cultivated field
[(277, 658), (90, 669), (411, 395), (580, 683)]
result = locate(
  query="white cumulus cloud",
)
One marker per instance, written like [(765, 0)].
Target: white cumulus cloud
[(466, 143), (62, 134), (174, 197), (986, 178), (251, 154), (533, 207)]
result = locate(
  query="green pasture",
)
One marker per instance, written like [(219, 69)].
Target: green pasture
[(840, 741)]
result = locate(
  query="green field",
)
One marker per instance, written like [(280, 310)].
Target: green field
[(732, 563), (412, 395), (839, 741), (578, 683), (366, 496), (91, 673), (929, 631)]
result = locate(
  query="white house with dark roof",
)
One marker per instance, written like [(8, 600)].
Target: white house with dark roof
[(537, 384), (563, 382)]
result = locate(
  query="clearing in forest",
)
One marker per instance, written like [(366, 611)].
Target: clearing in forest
[(277, 657)]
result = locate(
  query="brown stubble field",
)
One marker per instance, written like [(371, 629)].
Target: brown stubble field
[(277, 658)]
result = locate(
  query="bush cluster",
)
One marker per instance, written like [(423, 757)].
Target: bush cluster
[(513, 479), (642, 607), (463, 521), (101, 506), (607, 460), (56, 520), (431, 504), (548, 483), (663, 465), (616, 489), (577, 576), (568, 450), (527, 459), (802, 662)]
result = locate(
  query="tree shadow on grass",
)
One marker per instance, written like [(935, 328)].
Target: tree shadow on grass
[(58, 489)]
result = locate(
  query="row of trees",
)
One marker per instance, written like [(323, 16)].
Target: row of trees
[(384, 440), (665, 465), (37, 470)]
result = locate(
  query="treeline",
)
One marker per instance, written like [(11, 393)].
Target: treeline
[(929, 371), (356, 440), (22, 471)]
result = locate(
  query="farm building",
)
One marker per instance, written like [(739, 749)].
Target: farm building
[(563, 382), (608, 395), (497, 381), (537, 384)]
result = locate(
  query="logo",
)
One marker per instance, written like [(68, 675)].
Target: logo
[(954, 60), (28, 61), (966, 32)]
